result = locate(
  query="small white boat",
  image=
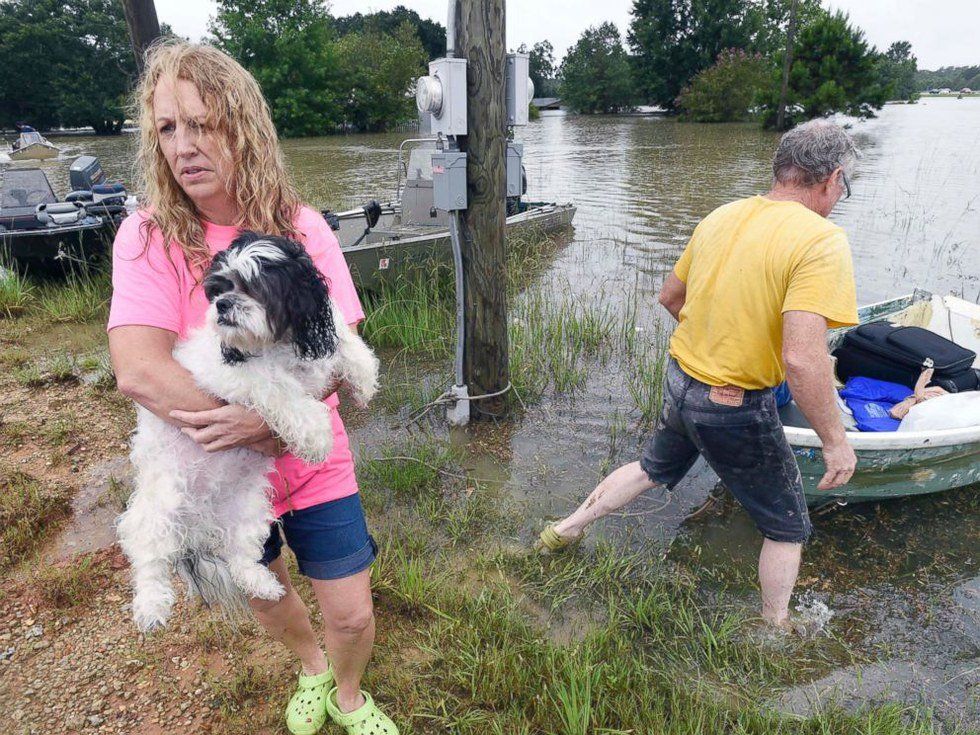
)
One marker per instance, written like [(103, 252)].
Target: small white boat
[(31, 145), (898, 464)]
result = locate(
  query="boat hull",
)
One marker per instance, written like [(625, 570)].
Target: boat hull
[(893, 473), (33, 152), (56, 249), (386, 256)]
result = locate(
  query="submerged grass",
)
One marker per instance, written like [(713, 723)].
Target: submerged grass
[(660, 653), (557, 338)]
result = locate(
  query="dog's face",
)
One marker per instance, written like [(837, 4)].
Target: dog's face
[(265, 290)]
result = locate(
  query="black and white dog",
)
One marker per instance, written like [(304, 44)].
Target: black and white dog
[(274, 342)]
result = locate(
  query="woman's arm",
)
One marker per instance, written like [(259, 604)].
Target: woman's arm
[(142, 358)]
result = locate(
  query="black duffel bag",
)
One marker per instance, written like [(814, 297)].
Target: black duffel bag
[(900, 354)]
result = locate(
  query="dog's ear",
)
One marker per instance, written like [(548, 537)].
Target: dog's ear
[(299, 302)]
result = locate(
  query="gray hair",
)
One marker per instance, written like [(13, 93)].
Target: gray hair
[(809, 153)]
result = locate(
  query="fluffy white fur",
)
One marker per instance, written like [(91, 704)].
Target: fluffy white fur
[(208, 514)]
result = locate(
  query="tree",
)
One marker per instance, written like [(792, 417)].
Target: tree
[(65, 64), (596, 74), (288, 47), (672, 40), (833, 70), (726, 91), (897, 67), (432, 35), (952, 77), (542, 70), (379, 70)]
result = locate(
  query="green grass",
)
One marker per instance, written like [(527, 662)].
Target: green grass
[(16, 293), (557, 338), (69, 584), (82, 297), (655, 649), (415, 314), (29, 513)]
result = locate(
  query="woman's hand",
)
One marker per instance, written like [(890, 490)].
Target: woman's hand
[(225, 427)]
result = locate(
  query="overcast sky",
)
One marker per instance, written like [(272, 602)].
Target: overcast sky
[(942, 32)]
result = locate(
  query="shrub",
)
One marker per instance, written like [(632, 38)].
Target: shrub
[(726, 91)]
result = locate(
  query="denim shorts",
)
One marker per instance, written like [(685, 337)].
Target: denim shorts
[(330, 540), (741, 437)]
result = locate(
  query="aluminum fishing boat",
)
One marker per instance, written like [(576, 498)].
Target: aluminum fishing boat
[(382, 242), (31, 145)]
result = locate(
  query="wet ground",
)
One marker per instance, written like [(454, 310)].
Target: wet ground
[(902, 579)]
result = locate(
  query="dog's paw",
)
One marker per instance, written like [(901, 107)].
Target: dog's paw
[(362, 396), (150, 615), (261, 583), (315, 451)]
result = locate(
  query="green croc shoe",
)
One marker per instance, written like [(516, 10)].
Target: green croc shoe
[(307, 710), (365, 720), (550, 541)]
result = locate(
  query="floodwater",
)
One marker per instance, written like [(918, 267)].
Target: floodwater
[(901, 579)]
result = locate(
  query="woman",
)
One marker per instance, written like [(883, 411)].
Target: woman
[(210, 166)]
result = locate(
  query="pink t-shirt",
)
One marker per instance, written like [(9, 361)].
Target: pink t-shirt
[(150, 290)]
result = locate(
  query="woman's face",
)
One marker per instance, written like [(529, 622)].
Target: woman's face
[(191, 149)]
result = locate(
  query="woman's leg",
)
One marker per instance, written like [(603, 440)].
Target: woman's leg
[(288, 621), (348, 624)]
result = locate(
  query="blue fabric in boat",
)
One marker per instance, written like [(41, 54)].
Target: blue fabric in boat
[(870, 400)]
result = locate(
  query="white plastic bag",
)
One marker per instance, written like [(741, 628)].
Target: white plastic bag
[(953, 411)]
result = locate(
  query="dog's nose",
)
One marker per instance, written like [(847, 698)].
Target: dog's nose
[(222, 305)]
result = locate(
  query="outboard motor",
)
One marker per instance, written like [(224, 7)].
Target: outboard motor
[(91, 188), (85, 173)]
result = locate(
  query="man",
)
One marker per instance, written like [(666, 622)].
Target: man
[(754, 293)]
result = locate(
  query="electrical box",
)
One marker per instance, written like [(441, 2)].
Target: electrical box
[(519, 88), (443, 93), (515, 178), (449, 181)]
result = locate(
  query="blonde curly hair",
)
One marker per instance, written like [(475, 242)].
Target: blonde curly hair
[(265, 197)]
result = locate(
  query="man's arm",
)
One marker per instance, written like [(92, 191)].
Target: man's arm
[(142, 359), (673, 294), (811, 381)]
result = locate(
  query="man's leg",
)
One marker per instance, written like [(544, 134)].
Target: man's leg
[(288, 621), (779, 564), (615, 491)]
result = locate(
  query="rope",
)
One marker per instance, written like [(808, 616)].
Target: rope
[(447, 397)]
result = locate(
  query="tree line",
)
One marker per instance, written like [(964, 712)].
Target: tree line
[(948, 77), (71, 65), (723, 60)]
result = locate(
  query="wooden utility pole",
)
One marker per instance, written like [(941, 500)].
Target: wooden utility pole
[(479, 38), (144, 28), (787, 63)]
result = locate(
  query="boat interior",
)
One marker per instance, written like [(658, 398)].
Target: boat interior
[(948, 316)]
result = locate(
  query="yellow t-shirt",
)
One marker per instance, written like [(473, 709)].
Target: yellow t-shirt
[(747, 263)]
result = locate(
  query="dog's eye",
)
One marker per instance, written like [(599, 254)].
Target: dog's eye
[(215, 286)]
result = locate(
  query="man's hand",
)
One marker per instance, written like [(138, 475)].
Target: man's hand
[(840, 462), (223, 428)]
